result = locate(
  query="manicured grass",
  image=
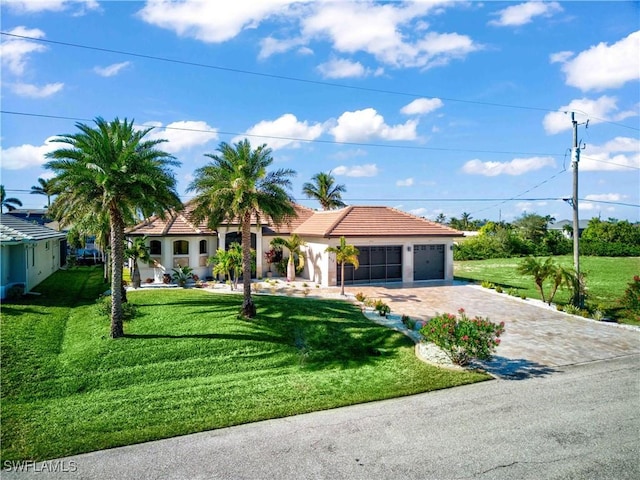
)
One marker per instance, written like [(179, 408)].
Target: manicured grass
[(606, 277), (186, 365)]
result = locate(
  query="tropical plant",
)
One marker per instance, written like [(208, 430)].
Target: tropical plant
[(630, 300), (237, 185), (463, 339), (221, 263), (111, 169), (137, 250), (8, 203), (294, 244), (539, 270), (273, 255), (441, 218), (324, 189), (45, 188), (182, 274), (345, 253)]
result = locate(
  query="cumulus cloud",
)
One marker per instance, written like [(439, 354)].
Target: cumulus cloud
[(342, 68), (111, 70), (34, 6), (524, 13), (15, 52), (271, 46), (27, 155), (604, 66), (34, 91), (367, 170), (211, 22), (605, 197), (618, 154), (182, 135), (404, 183), (419, 212), (602, 109), (517, 166), (422, 106), (285, 131), (366, 124), (560, 57)]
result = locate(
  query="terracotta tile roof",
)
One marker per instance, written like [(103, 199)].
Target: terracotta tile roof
[(302, 214), (175, 223), (16, 230), (377, 221)]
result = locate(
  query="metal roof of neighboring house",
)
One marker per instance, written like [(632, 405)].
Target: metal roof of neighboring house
[(376, 221), (175, 223), (15, 230), (559, 225)]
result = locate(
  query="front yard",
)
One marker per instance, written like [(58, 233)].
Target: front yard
[(187, 364)]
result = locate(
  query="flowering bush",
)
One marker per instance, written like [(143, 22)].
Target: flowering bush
[(462, 338), (630, 301)]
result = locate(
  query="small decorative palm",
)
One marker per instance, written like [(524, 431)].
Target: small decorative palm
[(345, 253), (294, 244)]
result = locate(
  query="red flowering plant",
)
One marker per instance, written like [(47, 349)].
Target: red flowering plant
[(463, 339)]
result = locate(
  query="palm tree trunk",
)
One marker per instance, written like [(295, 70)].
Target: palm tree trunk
[(248, 307), (342, 278), (135, 277), (117, 252)]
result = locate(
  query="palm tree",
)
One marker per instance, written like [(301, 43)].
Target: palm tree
[(345, 253), (45, 188), (441, 218), (323, 188), (236, 185), (111, 169), (138, 250), (8, 203), (294, 244), (465, 220), (539, 270)]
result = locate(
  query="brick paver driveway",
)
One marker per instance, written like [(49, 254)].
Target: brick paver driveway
[(537, 340)]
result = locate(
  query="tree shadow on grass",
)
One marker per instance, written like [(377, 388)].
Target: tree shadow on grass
[(516, 369)]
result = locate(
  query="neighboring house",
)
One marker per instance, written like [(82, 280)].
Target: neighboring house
[(562, 225), (394, 246), (30, 253), (32, 215)]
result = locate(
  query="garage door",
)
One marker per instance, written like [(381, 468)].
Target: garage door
[(377, 264), (428, 262)]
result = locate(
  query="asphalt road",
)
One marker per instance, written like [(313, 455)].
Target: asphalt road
[(580, 422)]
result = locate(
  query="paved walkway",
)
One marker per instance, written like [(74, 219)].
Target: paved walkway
[(538, 340)]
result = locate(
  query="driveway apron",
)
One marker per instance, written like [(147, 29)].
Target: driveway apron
[(538, 340)]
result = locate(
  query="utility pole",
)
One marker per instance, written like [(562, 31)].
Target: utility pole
[(575, 159)]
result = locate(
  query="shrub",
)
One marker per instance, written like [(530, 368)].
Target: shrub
[(488, 284), (16, 291), (498, 289), (382, 308), (463, 339), (630, 300), (408, 322), (103, 307), (361, 297), (571, 309)]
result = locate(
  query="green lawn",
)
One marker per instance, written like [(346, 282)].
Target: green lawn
[(186, 365), (606, 277)]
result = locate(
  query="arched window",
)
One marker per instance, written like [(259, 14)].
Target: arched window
[(155, 247), (181, 247), (203, 246)]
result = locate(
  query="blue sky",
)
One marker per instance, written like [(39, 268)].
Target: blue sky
[(429, 107)]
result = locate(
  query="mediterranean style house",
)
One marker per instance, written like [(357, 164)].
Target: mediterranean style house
[(29, 253), (394, 246)]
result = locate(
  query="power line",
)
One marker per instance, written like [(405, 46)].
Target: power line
[(293, 139), (293, 79)]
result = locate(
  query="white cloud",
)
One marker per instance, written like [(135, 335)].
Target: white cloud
[(182, 135), (419, 212), (619, 154), (587, 206), (15, 52), (367, 170), (404, 183), (34, 91), (34, 6), (288, 127), (342, 68), (271, 46), (211, 22), (366, 124), (111, 70), (27, 156), (524, 13), (605, 197), (422, 106), (560, 57), (602, 109), (603, 66), (517, 166)]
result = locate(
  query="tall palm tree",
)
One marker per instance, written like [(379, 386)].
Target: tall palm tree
[(237, 185), (466, 220), (323, 188), (8, 203), (112, 168), (345, 253), (294, 244), (45, 188)]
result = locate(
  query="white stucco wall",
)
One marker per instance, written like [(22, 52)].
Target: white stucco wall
[(42, 259)]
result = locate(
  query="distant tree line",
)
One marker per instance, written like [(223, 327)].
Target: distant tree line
[(530, 235)]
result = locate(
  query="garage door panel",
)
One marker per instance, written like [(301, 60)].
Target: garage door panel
[(428, 262)]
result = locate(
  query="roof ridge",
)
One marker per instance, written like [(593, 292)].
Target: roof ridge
[(337, 221), (431, 222), (188, 222)]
